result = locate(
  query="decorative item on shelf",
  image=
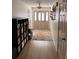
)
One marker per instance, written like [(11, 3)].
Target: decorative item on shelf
[(25, 41), (22, 36), (22, 44), (29, 34), (56, 3), (18, 32), (54, 8), (18, 26), (18, 41), (19, 48), (53, 14)]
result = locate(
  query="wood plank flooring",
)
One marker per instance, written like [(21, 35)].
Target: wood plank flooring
[(37, 49)]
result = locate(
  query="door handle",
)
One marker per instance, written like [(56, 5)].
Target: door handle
[(63, 39)]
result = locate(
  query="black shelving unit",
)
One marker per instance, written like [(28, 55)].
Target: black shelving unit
[(19, 34)]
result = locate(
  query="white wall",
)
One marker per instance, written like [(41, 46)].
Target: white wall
[(19, 9), (54, 31)]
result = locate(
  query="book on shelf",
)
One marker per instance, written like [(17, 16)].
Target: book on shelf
[(18, 41), (19, 48)]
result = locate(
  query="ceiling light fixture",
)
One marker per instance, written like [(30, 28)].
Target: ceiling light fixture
[(39, 6)]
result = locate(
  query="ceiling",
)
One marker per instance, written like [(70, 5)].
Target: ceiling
[(34, 2)]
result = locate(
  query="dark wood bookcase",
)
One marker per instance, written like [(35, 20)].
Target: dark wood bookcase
[(19, 34)]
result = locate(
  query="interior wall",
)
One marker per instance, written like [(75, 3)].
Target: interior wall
[(54, 29), (19, 9)]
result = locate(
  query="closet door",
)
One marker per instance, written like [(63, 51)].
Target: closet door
[(62, 33)]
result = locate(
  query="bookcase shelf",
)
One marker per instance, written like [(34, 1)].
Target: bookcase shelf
[(19, 34)]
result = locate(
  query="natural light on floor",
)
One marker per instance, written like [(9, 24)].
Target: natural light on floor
[(40, 43)]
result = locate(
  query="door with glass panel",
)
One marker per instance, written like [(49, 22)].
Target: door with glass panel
[(41, 20)]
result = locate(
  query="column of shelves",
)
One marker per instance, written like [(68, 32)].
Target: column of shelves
[(19, 34), (25, 39)]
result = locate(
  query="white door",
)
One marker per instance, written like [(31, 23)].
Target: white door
[(62, 34)]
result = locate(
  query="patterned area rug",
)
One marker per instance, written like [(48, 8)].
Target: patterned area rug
[(42, 35)]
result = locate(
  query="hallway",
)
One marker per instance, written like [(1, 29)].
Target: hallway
[(36, 49), (39, 29)]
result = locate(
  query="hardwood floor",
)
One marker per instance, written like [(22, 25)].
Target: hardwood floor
[(37, 49)]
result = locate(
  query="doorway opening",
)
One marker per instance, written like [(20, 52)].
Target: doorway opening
[(41, 24)]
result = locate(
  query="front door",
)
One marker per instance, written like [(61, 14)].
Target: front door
[(41, 18)]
